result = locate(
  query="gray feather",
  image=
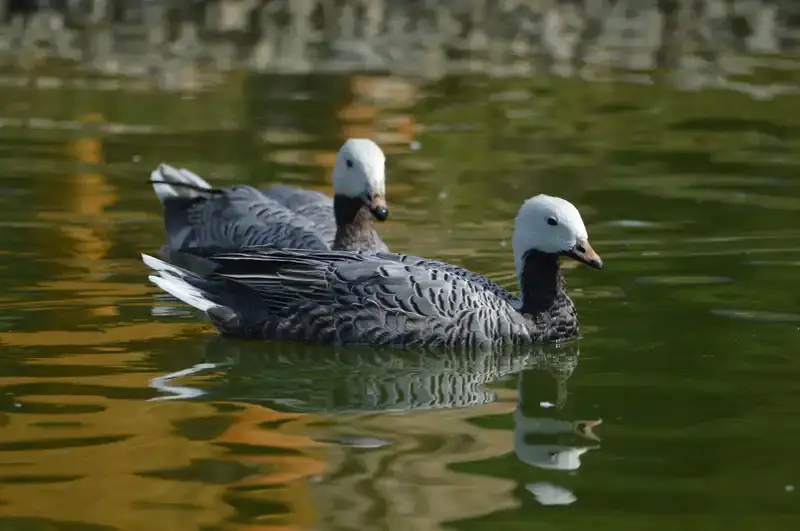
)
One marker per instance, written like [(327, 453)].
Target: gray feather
[(314, 206), (198, 215), (318, 208), (357, 298), (294, 198)]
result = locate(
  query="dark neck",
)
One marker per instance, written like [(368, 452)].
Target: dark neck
[(541, 283), (354, 226)]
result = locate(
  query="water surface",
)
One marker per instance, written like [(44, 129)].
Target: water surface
[(122, 410)]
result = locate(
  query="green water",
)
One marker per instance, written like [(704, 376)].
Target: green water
[(122, 410)]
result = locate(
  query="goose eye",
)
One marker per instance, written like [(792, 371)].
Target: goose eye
[(349, 163), (552, 221)]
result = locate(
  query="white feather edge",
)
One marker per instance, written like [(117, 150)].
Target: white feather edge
[(164, 175), (159, 265), (168, 278)]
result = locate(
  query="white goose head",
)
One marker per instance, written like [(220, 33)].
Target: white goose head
[(359, 173), (554, 226)]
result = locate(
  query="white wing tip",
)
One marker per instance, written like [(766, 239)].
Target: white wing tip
[(158, 173), (164, 176), (160, 266), (160, 183), (152, 262), (183, 291)]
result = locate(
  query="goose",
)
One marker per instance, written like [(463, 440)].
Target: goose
[(388, 299), (199, 215)]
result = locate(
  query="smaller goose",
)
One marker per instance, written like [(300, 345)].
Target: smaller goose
[(357, 298), (359, 187), (198, 215)]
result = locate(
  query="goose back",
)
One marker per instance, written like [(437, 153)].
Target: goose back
[(235, 217), (340, 297), (314, 206), (199, 215), (294, 198)]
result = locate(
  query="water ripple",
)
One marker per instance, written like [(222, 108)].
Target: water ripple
[(674, 280), (757, 315)]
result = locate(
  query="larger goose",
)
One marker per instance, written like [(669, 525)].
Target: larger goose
[(199, 215), (351, 298)]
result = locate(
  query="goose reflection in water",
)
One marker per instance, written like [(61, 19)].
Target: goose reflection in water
[(550, 442), (301, 378), (365, 453)]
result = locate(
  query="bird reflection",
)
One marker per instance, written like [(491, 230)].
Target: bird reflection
[(545, 436), (297, 378), (550, 441), (348, 458)]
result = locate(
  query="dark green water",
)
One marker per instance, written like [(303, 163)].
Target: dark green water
[(689, 357)]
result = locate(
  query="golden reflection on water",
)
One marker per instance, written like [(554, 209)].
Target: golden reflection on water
[(99, 453), (84, 442), (87, 198), (411, 484), (369, 114), (93, 448), (283, 478), (108, 336), (373, 112)]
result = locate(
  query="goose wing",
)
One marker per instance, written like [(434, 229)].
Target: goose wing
[(199, 215), (322, 216), (311, 205), (358, 297), (294, 198), (477, 281), (241, 216)]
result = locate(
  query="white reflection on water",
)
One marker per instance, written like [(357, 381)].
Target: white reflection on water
[(549, 494), (175, 392)]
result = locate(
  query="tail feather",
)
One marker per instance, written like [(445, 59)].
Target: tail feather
[(173, 280), (181, 192), (159, 266), (171, 182)]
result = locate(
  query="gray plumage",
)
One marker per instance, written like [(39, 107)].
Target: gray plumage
[(319, 209), (314, 206), (358, 298), (298, 198), (198, 215), (345, 222)]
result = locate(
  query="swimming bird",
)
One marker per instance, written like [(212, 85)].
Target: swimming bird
[(199, 215), (352, 298)]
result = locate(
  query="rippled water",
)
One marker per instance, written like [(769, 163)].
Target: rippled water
[(122, 410)]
